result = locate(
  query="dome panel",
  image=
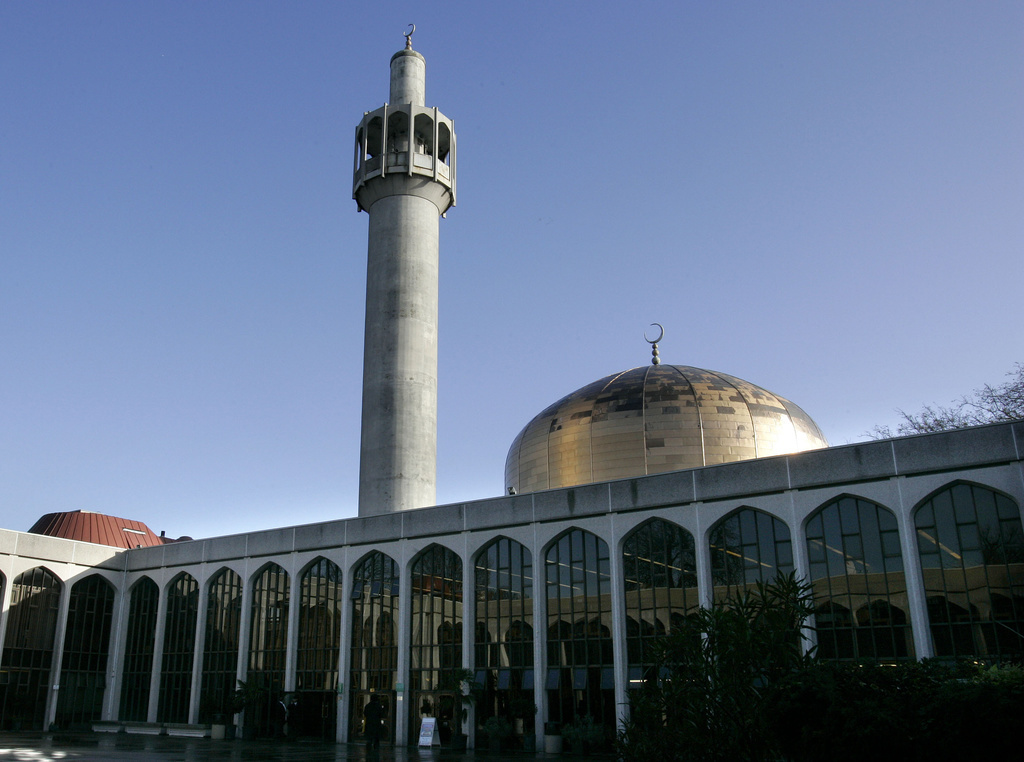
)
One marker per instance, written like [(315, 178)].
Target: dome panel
[(653, 419)]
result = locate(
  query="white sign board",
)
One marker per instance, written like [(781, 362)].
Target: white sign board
[(428, 732)]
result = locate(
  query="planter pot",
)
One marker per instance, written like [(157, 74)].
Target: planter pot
[(552, 744), (218, 731)]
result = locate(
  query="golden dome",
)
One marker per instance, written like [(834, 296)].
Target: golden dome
[(652, 419)]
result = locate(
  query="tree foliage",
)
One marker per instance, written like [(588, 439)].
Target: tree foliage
[(989, 404), (718, 676)]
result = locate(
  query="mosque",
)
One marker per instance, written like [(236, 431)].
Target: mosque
[(626, 505)]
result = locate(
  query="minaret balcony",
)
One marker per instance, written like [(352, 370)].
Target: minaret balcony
[(384, 138)]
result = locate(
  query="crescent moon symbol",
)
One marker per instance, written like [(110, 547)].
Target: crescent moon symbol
[(412, 31), (660, 335)]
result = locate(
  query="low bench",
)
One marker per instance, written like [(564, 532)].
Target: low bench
[(183, 730)]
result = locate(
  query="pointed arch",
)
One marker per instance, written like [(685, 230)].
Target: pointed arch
[(137, 667), (374, 651), (748, 546), (856, 564), (179, 648), (28, 647), (659, 569), (268, 641), (970, 546), (220, 646), (86, 649), (577, 567), (319, 626), (435, 645)]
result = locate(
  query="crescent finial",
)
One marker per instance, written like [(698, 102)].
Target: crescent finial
[(408, 36), (655, 359), (660, 335)]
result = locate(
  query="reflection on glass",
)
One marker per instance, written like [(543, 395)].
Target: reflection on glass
[(856, 570), (220, 648), (268, 645), (179, 649), (504, 631), (374, 638), (86, 645), (579, 628), (971, 549), (137, 670), (660, 575), (748, 546), (435, 645)]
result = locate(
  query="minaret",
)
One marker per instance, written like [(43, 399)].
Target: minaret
[(404, 179)]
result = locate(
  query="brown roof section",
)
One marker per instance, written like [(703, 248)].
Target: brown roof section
[(96, 528)]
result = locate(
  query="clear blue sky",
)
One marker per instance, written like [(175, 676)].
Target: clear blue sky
[(826, 199)]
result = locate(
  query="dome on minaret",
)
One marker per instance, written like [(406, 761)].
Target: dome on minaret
[(653, 419)]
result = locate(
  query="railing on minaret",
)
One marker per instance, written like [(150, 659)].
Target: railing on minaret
[(404, 178)]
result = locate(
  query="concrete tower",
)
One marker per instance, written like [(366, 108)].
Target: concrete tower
[(404, 179)]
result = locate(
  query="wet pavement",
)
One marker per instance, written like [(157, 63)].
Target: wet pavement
[(47, 747)]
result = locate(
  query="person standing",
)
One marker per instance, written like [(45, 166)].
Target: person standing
[(373, 716)]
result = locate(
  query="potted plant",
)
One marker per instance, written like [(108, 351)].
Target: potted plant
[(460, 683), (498, 731), (582, 734), (247, 697)]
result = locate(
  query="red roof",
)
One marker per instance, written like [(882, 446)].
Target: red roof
[(97, 528)]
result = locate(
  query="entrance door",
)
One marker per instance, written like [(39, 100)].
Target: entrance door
[(357, 723)]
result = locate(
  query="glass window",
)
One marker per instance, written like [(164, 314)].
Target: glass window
[(179, 649), (220, 648), (137, 671), (435, 645), (86, 647), (504, 632), (860, 592), (660, 576), (374, 655), (579, 627), (748, 546), (28, 648), (268, 645), (312, 710), (971, 549)]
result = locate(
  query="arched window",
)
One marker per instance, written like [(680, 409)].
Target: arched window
[(268, 644), (374, 656), (444, 141), (319, 627), (220, 649), (28, 647), (578, 584), (971, 548), (86, 647), (856, 565), (316, 678), (424, 132), (436, 589), (504, 631), (398, 132), (179, 649), (137, 671), (660, 581), (748, 546)]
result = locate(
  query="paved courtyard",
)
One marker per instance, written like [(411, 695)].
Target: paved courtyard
[(46, 747)]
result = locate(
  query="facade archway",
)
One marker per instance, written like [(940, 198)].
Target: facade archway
[(179, 649), (504, 633), (28, 649), (268, 649), (971, 550), (373, 668), (748, 546), (83, 670), (856, 564), (660, 583), (313, 712), (137, 668), (580, 678), (220, 646), (435, 645)]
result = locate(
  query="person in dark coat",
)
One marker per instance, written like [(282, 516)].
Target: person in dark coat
[(373, 715)]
